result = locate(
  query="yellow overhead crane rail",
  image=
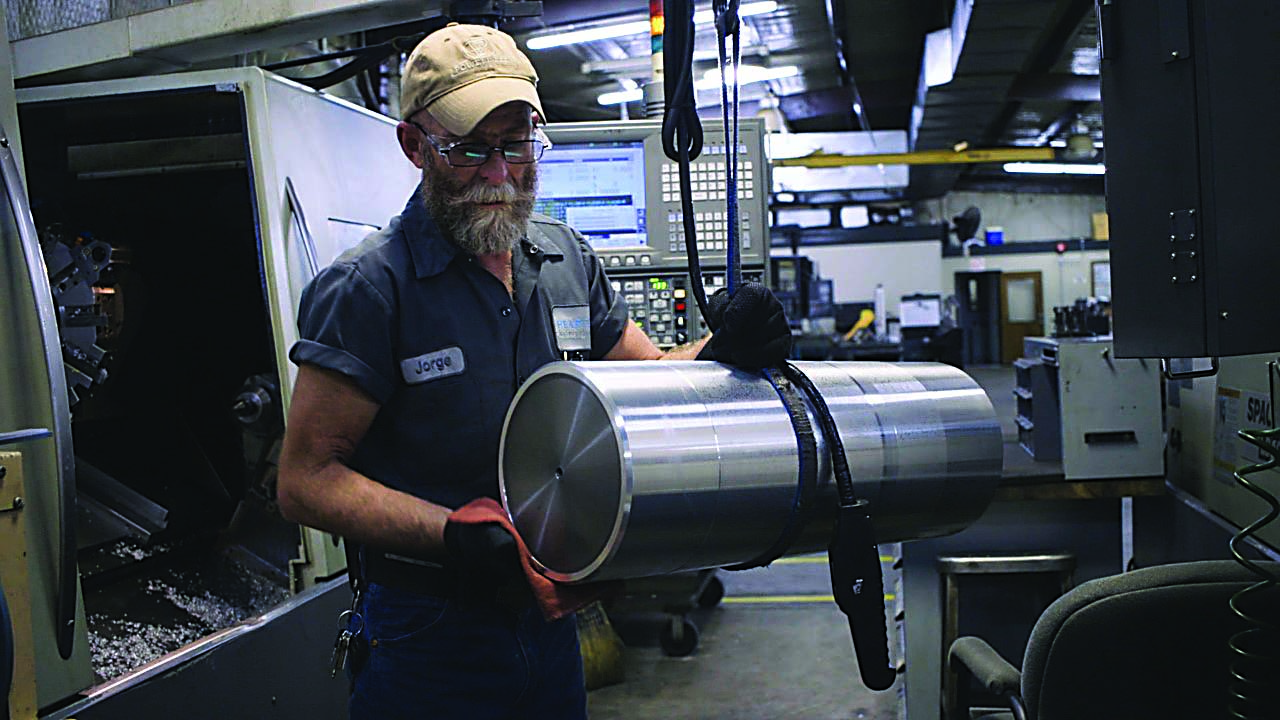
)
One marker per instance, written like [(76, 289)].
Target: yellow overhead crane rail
[(920, 157)]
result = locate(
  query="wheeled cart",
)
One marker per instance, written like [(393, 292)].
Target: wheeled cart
[(675, 596)]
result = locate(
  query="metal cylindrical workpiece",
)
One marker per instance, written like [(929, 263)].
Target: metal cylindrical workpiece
[(628, 469)]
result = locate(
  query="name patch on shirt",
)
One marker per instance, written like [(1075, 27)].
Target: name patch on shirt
[(573, 327), (433, 366)]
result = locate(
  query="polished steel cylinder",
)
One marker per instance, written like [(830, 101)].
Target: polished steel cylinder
[(628, 469)]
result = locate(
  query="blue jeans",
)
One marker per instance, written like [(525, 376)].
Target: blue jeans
[(433, 657)]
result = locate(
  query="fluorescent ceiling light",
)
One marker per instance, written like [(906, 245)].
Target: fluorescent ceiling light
[(621, 96), (746, 74), (1063, 143), (603, 32), (644, 63), (1054, 168), (702, 17), (710, 81), (636, 27)]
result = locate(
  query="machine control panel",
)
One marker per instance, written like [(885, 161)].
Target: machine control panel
[(710, 229), (612, 182), (662, 305)]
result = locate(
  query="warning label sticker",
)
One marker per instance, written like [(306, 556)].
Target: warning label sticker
[(1238, 410)]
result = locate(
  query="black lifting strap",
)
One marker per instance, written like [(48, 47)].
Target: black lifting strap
[(806, 489), (853, 556)]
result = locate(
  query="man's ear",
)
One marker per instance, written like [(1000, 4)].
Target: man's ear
[(412, 144)]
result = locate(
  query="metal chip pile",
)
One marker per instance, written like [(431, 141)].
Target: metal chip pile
[(174, 608)]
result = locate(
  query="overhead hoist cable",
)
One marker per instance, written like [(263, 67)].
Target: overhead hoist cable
[(682, 130), (854, 559), (728, 26)]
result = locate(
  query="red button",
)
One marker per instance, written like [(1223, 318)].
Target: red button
[(680, 307)]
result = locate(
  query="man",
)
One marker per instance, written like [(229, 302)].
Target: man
[(413, 345)]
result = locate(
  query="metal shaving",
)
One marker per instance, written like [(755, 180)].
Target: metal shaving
[(213, 612), (219, 595), (127, 548), (118, 646)]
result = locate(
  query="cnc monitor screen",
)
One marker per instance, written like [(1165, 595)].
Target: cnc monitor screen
[(598, 189)]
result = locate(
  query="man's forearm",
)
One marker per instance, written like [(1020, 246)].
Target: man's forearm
[(337, 499), (685, 352)]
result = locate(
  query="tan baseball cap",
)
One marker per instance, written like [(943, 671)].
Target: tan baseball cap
[(461, 73)]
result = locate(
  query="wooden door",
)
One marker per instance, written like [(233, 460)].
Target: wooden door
[(1021, 312)]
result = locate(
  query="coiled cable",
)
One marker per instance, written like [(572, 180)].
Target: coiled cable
[(1254, 692)]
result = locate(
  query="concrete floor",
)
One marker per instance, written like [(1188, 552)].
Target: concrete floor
[(775, 647)]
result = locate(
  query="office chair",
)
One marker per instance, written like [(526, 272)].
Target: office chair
[(1151, 643)]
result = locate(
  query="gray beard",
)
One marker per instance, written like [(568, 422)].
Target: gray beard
[(476, 230)]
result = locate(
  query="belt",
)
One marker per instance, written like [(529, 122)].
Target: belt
[(409, 574)]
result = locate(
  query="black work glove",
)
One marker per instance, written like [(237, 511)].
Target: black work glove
[(488, 562), (751, 330)]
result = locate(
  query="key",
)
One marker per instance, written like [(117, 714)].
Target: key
[(340, 648)]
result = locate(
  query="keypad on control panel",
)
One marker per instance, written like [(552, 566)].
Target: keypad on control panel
[(707, 176), (712, 229), (659, 306)]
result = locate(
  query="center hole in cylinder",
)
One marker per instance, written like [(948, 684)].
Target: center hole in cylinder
[(559, 473)]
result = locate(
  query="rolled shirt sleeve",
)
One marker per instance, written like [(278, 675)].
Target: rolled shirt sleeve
[(344, 323)]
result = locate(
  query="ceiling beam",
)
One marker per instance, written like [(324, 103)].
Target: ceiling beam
[(1057, 87), (1069, 14), (828, 102), (1062, 121)]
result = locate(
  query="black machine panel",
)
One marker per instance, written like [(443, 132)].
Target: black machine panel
[(792, 279), (1190, 184), (662, 304)]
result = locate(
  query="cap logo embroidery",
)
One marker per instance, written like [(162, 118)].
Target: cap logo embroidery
[(476, 64), (476, 47)]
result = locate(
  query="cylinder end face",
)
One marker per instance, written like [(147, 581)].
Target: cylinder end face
[(561, 474)]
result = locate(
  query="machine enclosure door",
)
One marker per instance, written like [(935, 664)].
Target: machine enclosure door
[(322, 174)]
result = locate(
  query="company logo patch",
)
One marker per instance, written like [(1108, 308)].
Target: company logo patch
[(433, 366), (573, 327)]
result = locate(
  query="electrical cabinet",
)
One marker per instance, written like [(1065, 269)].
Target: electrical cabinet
[(1189, 182)]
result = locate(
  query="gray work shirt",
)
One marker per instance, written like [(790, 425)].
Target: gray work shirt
[(439, 344)]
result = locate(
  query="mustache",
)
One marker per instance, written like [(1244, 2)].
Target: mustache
[(483, 194)]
